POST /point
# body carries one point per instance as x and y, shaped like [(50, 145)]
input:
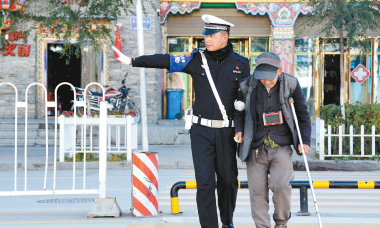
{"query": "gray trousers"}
[(277, 163)]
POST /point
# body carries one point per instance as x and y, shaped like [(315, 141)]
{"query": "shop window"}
[(178, 80), (304, 45), (258, 46), (378, 75), (178, 45), (304, 67), (360, 91), (332, 45), (235, 45)]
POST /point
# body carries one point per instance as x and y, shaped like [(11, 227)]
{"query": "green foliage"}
[(79, 157), (117, 157), (356, 115), (66, 21), (376, 157), (349, 19)]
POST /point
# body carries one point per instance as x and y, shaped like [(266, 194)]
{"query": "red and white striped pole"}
[(145, 184)]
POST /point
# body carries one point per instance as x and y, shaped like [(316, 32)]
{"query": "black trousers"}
[(214, 151)]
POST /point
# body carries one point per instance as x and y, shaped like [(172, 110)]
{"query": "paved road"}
[(338, 207)]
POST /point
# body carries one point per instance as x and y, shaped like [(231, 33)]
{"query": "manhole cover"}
[(75, 200)]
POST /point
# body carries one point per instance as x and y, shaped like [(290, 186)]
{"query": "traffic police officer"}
[(212, 143)]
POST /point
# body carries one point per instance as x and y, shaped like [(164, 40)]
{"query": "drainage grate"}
[(74, 200)]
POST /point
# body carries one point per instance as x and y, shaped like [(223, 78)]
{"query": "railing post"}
[(322, 140), (362, 140), (129, 138), (340, 140), (317, 132), (102, 149), (373, 140), (62, 138), (103, 206), (351, 140), (304, 202)]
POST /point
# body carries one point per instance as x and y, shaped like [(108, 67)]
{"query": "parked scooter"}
[(117, 99)]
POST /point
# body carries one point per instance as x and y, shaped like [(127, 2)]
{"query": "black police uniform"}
[(213, 149)]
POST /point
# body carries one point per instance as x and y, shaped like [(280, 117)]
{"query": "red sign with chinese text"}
[(9, 48), (23, 50), (16, 35)]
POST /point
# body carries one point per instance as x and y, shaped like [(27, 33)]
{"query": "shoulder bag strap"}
[(211, 81)]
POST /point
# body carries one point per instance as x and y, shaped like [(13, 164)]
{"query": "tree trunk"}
[(341, 90)]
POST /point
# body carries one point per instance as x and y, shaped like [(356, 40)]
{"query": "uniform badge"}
[(178, 63), (237, 71)]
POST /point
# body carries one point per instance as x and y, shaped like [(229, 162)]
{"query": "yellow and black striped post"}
[(295, 184)]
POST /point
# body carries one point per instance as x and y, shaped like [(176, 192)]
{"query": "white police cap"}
[(215, 24)]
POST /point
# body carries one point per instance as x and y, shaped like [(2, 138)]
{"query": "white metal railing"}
[(101, 122), (322, 133), (124, 129)]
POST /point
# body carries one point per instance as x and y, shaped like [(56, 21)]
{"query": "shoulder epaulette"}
[(241, 56)]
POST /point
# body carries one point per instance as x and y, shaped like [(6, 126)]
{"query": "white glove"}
[(122, 58), (239, 105)]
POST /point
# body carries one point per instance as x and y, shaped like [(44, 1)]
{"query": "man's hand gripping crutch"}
[(291, 102)]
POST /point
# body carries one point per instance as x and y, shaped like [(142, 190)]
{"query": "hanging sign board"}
[(172, 41), (360, 74), (147, 23)]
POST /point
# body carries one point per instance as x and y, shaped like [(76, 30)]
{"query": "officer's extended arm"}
[(147, 61)]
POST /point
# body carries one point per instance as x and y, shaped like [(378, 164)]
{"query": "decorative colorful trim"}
[(281, 14), (5, 23), (284, 48), (8, 5), (176, 7)]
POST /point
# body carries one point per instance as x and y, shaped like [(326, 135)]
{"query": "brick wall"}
[(152, 41), (21, 71)]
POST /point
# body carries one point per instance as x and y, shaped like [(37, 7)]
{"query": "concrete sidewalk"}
[(169, 157)]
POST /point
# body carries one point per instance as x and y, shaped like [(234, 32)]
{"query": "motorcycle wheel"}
[(132, 106), (121, 107)]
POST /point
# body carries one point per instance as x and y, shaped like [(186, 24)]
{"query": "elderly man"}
[(269, 131), (212, 135)]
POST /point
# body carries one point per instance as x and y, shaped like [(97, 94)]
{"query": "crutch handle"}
[(291, 101)]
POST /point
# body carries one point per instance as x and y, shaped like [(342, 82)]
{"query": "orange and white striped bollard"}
[(145, 184)]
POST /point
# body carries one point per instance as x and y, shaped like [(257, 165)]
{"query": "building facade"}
[(43, 64), (280, 27), (175, 27)]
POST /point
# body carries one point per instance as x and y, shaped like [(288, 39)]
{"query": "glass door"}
[(305, 70), (257, 45), (360, 80), (178, 46)]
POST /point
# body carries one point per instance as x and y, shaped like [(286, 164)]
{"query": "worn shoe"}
[(228, 226), (280, 226)]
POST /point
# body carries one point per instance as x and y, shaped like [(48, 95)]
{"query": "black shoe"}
[(281, 226), (228, 226)]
